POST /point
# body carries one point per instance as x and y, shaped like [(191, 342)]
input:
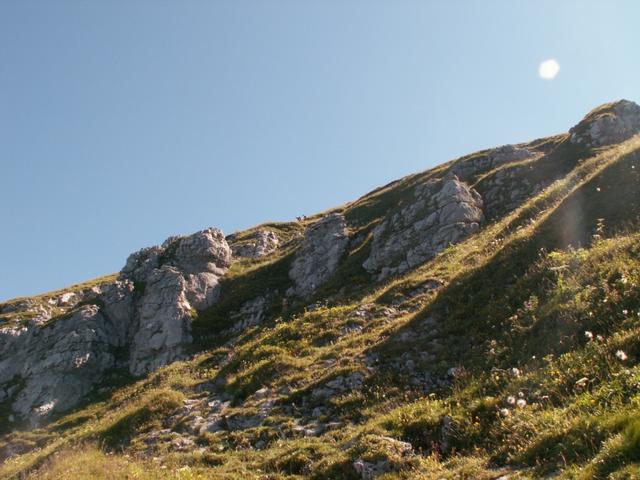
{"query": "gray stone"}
[(608, 124), (319, 254), (51, 368), (262, 243), (251, 313), (50, 364), (443, 213), (468, 167), (179, 277)]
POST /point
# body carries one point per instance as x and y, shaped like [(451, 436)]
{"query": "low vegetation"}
[(512, 353)]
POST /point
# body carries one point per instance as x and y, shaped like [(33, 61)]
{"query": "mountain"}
[(477, 320)]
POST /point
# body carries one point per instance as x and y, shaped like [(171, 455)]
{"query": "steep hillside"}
[(478, 320)]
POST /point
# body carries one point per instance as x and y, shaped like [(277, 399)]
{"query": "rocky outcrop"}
[(262, 243), (319, 254), (508, 188), (390, 455), (251, 313), (176, 278), (467, 168), (443, 212), (49, 368), (139, 322), (607, 124)]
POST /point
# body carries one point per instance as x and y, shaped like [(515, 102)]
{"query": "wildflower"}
[(625, 312), (511, 400), (515, 372), (600, 338), (588, 335), (521, 403), (623, 280), (520, 394), (620, 355), (504, 412)]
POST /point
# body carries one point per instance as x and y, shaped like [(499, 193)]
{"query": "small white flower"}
[(504, 412), (624, 280), (588, 335), (515, 372), (600, 338), (620, 355), (521, 403), (511, 400), (625, 311)]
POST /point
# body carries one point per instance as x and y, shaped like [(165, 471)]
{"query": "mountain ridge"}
[(391, 282)]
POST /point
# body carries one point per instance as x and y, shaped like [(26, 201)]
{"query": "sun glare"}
[(549, 69)]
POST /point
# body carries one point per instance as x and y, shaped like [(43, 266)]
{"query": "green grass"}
[(519, 294)]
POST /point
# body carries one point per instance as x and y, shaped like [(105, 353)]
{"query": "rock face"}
[(318, 255), (52, 367), (140, 322), (263, 243), (608, 124), (176, 278), (444, 212)]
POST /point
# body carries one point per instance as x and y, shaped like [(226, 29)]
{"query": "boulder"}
[(319, 254), (442, 213)]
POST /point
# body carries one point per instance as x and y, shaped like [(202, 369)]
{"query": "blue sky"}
[(124, 122)]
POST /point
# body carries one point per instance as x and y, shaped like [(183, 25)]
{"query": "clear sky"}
[(124, 122)]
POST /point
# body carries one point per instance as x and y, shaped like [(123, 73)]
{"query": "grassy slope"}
[(514, 296)]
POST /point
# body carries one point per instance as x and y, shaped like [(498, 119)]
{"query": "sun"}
[(549, 69)]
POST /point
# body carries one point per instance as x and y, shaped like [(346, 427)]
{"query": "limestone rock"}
[(251, 313), (467, 168), (49, 363), (264, 242), (52, 367), (509, 188), (443, 212), (164, 321), (319, 254), (607, 124), (179, 276), (397, 453)]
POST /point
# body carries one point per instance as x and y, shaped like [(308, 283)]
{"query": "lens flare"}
[(549, 69)]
